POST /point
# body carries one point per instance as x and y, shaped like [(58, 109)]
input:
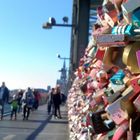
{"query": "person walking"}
[(4, 98), (27, 103), (56, 102), (19, 98), (14, 107), (36, 99), (50, 101)]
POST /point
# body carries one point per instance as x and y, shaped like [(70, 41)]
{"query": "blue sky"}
[(27, 51)]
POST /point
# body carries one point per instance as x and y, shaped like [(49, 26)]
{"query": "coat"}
[(5, 96), (56, 98)]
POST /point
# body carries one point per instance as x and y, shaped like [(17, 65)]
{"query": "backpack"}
[(29, 100)]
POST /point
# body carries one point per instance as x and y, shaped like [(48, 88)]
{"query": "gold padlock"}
[(129, 57), (112, 56)]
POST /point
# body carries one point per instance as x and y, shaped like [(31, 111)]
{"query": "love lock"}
[(129, 57)]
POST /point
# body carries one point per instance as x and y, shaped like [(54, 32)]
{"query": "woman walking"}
[(27, 102)]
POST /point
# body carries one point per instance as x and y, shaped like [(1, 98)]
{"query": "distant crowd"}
[(25, 101)]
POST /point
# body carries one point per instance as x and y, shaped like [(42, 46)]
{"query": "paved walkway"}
[(40, 126)]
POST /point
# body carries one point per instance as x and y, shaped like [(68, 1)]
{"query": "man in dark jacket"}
[(4, 97), (50, 100), (57, 102)]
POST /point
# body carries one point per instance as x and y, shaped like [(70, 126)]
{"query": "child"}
[(14, 107)]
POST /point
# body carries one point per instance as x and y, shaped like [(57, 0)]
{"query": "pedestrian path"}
[(40, 126)]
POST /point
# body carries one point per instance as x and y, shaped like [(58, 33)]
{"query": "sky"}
[(28, 53)]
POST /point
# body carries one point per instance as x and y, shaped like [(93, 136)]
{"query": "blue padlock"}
[(118, 77), (136, 17), (127, 29)]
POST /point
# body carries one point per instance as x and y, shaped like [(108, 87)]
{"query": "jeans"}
[(14, 111), (26, 111), (49, 107), (57, 110)]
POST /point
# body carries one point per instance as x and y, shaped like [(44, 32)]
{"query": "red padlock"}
[(121, 130)]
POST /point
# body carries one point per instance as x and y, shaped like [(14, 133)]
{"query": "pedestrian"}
[(63, 98), (14, 107), (57, 102), (50, 101), (27, 102), (36, 99), (4, 97), (19, 99)]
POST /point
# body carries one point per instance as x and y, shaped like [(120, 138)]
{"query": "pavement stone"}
[(40, 126)]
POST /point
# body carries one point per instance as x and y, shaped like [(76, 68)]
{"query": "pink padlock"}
[(121, 130), (135, 82), (138, 57), (101, 76)]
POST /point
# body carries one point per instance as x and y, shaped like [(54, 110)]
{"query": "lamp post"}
[(64, 58), (52, 23), (63, 81)]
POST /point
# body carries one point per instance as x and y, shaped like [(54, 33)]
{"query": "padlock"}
[(135, 82), (117, 87), (136, 103), (100, 53), (126, 80), (127, 106), (110, 134), (136, 17), (138, 57), (92, 103), (110, 13), (83, 87), (90, 88), (88, 119), (129, 57), (112, 70), (101, 76), (128, 92), (118, 77), (98, 123), (111, 40), (117, 4), (96, 65), (128, 7), (112, 57), (98, 96), (117, 114), (121, 130), (100, 16), (92, 52), (91, 48), (126, 29), (111, 96), (102, 30)]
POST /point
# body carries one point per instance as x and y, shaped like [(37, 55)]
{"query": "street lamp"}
[(63, 81), (64, 58), (52, 22)]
